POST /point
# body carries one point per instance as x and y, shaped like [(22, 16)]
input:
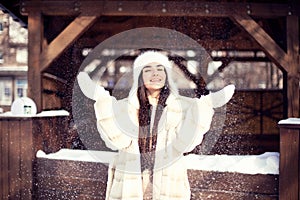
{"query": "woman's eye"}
[(160, 69)]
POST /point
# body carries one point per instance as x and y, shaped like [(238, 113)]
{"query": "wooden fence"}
[(20, 138)]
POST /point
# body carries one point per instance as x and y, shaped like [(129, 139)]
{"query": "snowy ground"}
[(267, 163)]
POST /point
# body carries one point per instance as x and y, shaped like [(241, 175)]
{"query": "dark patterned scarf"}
[(148, 138)]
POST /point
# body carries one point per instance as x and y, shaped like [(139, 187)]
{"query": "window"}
[(21, 87), (6, 91), (1, 58), (11, 89)]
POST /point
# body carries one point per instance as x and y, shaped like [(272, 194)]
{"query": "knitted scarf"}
[(147, 137)]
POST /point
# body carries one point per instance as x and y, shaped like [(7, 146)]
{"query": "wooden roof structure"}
[(58, 29)]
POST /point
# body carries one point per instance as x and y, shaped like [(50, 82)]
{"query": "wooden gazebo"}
[(70, 23), (59, 31)]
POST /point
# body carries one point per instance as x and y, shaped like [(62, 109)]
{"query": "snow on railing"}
[(267, 163), (290, 121)]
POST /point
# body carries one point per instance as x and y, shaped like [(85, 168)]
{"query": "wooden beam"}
[(293, 76), (288, 61), (68, 36), (35, 38), (158, 8), (276, 54)]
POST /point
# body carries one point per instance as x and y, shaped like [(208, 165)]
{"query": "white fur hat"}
[(149, 57), (144, 59)]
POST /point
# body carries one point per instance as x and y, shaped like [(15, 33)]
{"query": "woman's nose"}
[(155, 73)]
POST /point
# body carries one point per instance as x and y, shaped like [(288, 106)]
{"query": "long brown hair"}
[(148, 138)]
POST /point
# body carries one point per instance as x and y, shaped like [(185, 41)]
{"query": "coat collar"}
[(170, 117)]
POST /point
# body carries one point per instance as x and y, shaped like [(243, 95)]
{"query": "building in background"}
[(13, 60)]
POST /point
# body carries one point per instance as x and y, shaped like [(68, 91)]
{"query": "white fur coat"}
[(183, 123), (182, 126)]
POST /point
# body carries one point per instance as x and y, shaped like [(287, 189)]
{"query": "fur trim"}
[(140, 62), (149, 57)]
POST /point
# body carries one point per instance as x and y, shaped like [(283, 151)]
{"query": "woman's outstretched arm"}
[(104, 108), (198, 118)]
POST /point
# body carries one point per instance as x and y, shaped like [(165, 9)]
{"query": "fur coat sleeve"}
[(196, 122), (109, 128)]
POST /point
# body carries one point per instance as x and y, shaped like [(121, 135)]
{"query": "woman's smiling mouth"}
[(155, 80)]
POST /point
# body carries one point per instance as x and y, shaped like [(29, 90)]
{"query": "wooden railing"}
[(289, 169), (20, 178), (73, 179), (20, 139)]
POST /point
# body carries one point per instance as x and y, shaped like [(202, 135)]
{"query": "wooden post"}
[(35, 38), (293, 78), (289, 179), (41, 55)]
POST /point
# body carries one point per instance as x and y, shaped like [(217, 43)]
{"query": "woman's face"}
[(154, 77)]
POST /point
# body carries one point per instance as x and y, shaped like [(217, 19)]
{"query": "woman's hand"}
[(88, 87), (222, 96)]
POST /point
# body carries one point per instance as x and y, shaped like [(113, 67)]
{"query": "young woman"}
[(151, 129)]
